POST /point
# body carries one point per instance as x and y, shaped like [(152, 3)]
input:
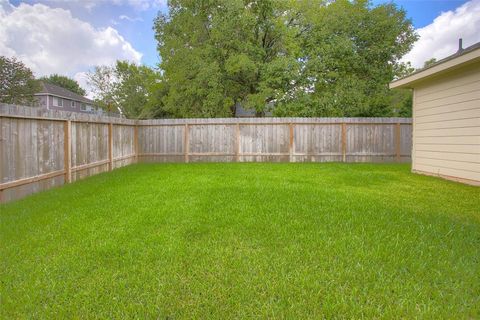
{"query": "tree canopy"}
[(17, 83), (305, 57), (429, 62), (125, 87), (65, 82)]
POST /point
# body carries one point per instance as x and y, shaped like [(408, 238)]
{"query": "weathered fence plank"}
[(67, 144)]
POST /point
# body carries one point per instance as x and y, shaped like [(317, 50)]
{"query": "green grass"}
[(221, 241)]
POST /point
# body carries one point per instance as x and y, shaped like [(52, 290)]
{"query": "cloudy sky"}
[(71, 36)]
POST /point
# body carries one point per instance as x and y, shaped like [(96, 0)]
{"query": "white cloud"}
[(139, 5), (440, 38), (69, 4), (125, 17), (52, 41), (143, 4)]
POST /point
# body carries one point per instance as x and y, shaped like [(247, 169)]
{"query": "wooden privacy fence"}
[(276, 139), (42, 149)]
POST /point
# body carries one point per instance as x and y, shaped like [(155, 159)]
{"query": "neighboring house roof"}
[(54, 90), (240, 112), (461, 58)]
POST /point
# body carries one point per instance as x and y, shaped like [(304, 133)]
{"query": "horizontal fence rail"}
[(43, 149)]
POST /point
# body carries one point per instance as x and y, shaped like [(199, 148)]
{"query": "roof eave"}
[(442, 67)]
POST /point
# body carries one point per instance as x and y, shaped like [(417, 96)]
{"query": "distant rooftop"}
[(48, 88)]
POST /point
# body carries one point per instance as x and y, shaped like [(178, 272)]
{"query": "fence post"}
[(290, 145), (110, 146), (344, 142), (135, 142), (186, 147), (67, 150), (397, 140), (237, 142)]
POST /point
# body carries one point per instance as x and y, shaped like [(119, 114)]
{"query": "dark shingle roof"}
[(48, 88), (241, 112)]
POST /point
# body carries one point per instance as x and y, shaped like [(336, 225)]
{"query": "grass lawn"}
[(221, 241)]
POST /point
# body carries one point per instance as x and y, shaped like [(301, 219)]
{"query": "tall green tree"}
[(350, 52), (126, 87), (17, 83), (64, 82), (133, 88), (219, 52), (103, 83), (401, 102), (305, 57)]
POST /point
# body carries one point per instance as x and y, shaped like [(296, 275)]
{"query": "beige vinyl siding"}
[(446, 119)]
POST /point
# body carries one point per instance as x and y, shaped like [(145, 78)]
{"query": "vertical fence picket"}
[(186, 143), (67, 150), (110, 147), (344, 142), (291, 141), (398, 140)]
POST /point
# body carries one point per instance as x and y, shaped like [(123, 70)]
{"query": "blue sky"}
[(72, 36), (422, 12)]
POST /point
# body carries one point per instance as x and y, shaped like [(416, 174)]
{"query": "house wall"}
[(41, 101), (66, 104), (446, 125)]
